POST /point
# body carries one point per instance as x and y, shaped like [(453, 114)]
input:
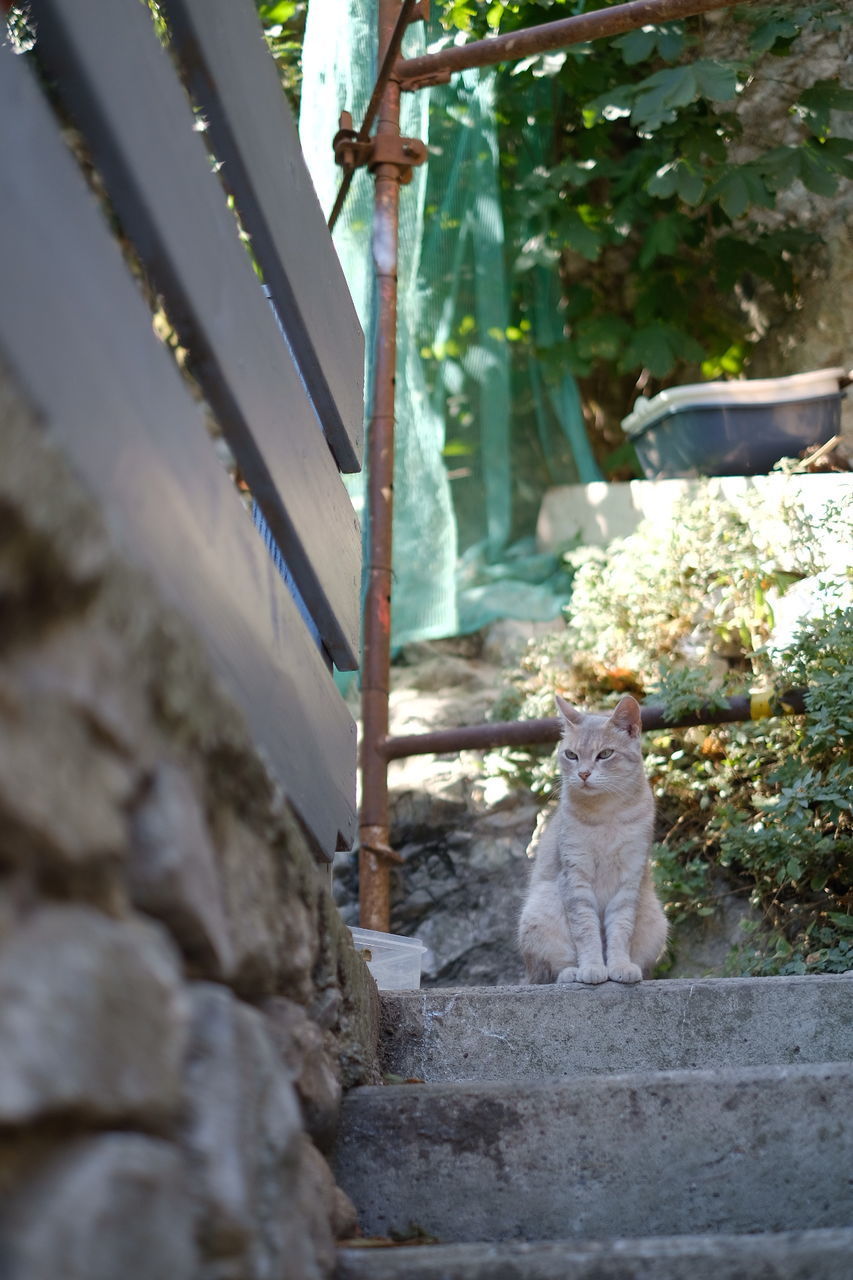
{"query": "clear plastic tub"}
[(394, 961), (734, 428)]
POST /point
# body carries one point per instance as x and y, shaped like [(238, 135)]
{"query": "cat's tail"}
[(539, 972)]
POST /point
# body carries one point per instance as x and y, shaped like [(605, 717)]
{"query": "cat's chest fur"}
[(604, 846)]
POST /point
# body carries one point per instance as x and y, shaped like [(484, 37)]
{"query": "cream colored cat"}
[(591, 912)]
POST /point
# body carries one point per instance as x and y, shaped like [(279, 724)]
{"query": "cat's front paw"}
[(569, 974), (625, 972), (592, 974)]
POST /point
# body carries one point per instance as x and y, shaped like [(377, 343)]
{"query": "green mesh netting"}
[(482, 424)]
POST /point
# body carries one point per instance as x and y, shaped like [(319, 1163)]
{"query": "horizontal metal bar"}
[(517, 733), (549, 36)]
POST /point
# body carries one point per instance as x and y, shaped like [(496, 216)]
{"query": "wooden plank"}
[(77, 337), (233, 78), (121, 89)]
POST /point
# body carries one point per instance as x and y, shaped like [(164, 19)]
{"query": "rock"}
[(460, 891), (107, 1207), (92, 1019), (243, 1140), (327, 1211), (310, 1064), (506, 640), (62, 795), (172, 871), (53, 550), (255, 908)]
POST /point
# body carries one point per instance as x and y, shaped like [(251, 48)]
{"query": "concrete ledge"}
[(539, 1033), (596, 513), (736, 1150), (806, 1255)]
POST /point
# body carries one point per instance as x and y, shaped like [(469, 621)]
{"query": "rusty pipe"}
[(433, 67), (516, 733), (404, 17), (374, 851)]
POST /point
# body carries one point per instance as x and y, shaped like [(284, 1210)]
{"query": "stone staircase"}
[(676, 1130)]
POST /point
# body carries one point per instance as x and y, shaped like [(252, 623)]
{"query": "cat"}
[(591, 912)]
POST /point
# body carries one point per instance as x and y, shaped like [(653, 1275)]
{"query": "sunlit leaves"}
[(815, 104), (677, 178), (656, 100), (666, 40)]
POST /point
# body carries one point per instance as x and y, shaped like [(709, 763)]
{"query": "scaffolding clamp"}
[(353, 152)]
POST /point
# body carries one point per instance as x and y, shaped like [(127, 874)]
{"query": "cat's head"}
[(600, 754)]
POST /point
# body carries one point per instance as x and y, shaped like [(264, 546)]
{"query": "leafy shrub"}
[(683, 612)]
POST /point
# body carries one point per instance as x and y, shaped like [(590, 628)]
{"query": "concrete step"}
[(807, 1255), (733, 1150), (540, 1033)]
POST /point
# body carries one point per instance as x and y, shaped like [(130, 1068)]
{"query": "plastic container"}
[(394, 961), (734, 428)]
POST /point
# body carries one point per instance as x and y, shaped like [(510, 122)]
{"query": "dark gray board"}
[(121, 90), (233, 78), (77, 337)]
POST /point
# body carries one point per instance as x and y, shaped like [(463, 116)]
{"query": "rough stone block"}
[(243, 1140), (270, 932), (172, 871), (111, 1207), (62, 795), (311, 1065), (92, 1019)]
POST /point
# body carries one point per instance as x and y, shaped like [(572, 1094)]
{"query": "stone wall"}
[(180, 1003)]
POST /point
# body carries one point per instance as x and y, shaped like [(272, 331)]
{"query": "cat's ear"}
[(627, 716), (569, 713)]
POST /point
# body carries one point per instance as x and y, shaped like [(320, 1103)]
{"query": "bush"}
[(684, 612)]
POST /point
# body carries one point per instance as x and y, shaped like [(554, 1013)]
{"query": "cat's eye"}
[(605, 754), (570, 755)]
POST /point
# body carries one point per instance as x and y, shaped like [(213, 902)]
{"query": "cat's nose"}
[(583, 774)]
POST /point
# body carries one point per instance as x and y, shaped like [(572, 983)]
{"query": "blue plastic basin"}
[(734, 439)]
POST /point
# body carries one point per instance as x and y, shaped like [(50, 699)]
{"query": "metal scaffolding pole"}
[(516, 733), (375, 853), (436, 68)]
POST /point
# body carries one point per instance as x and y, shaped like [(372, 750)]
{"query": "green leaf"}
[(662, 238), (816, 173), (690, 185), (775, 28), (280, 12), (781, 166), (659, 96), (652, 349), (636, 45), (816, 103), (717, 81), (578, 235), (740, 188), (601, 337), (664, 181), (670, 42)]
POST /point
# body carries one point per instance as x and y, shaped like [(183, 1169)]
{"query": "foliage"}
[(673, 614), (284, 24), (631, 154)]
